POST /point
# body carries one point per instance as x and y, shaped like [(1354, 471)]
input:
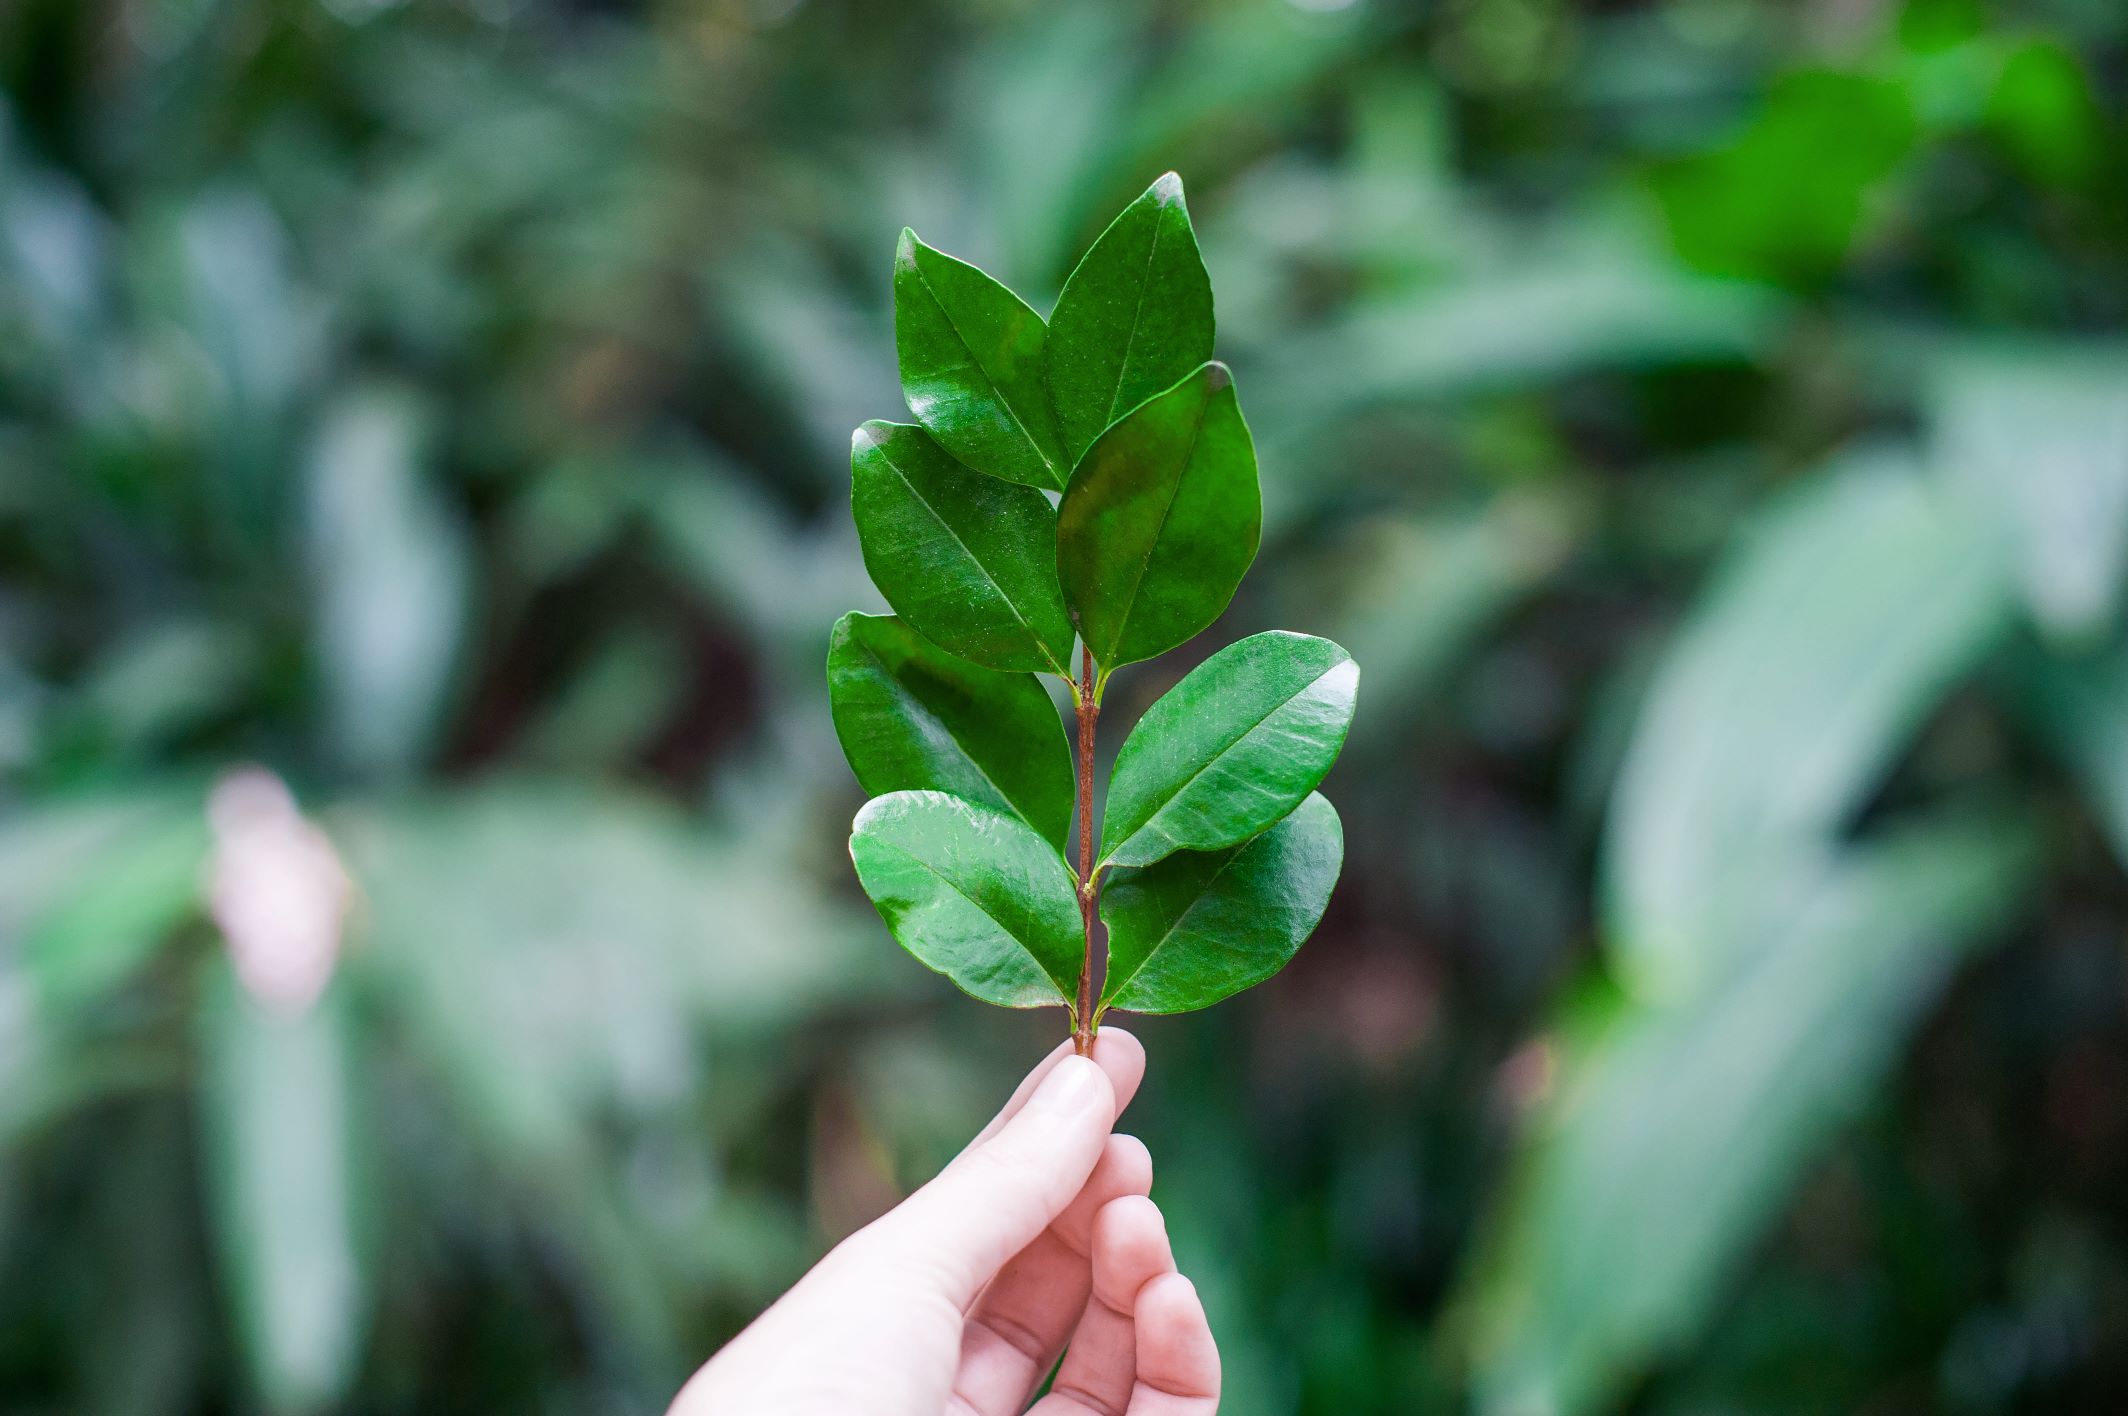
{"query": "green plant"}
[(1219, 853)]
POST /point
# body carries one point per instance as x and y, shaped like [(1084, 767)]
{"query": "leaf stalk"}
[(1086, 707)]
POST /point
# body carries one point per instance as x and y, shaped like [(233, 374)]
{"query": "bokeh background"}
[(430, 974)]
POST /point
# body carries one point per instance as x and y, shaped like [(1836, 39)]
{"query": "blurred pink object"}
[(277, 891)]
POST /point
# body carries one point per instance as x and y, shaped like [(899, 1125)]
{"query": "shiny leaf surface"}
[(912, 717), (1231, 749), (1135, 316), (972, 366), (965, 559), (1160, 521), (973, 893), (1203, 925)]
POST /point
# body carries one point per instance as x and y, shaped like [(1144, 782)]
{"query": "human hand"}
[(958, 1301)]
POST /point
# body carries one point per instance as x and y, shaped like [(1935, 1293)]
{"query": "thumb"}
[(1003, 1191)]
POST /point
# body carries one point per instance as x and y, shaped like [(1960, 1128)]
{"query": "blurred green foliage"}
[(1706, 419)]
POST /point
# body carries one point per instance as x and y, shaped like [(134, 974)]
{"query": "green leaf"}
[(972, 368), (1231, 749), (1831, 633), (1135, 316), (1160, 521), (1676, 1132), (967, 560), (911, 716), (973, 893), (1203, 925), (278, 1107), (2036, 437)]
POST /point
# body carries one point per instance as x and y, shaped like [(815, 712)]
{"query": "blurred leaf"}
[(92, 888), (1134, 318), (278, 1109), (2037, 437), (566, 961), (390, 568), (1201, 926), (1789, 196), (965, 559), (2082, 706), (1409, 595), (1241, 741), (1160, 521), (1831, 631), (971, 367), (912, 718), (974, 894), (1547, 314), (1678, 1129)]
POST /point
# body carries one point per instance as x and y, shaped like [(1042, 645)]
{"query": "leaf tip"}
[(905, 248), (1167, 189), (1217, 376)]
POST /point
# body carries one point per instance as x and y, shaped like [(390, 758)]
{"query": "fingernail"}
[(1072, 1086)]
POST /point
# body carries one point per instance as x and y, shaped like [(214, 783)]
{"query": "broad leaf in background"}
[(974, 894), (389, 565), (1677, 1130), (90, 889), (971, 367), (2037, 437), (278, 1109), (563, 962), (2081, 705), (1231, 749), (911, 717), (1160, 521), (966, 560), (1202, 925), (1837, 625), (1135, 317)]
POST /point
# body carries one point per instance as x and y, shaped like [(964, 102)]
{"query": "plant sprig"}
[(1086, 484)]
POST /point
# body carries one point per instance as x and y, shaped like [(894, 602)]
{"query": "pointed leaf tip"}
[(1167, 188), (1217, 376)]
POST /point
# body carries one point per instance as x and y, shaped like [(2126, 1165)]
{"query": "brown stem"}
[(1089, 710)]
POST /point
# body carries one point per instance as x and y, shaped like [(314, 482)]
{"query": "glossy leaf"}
[(1231, 749), (972, 366), (911, 717), (1203, 925), (966, 560), (1135, 316), (973, 893), (1160, 521)]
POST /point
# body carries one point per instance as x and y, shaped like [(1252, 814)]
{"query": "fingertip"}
[(1176, 1352), (1130, 1247), (1127, 1159), (1122, 1056)]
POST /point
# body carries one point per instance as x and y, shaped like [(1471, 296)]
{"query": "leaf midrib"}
[(1130, 341), (951, 884), (1206, 765), (1110, 989), (903, 691), (975, 362), (1174, 494), (977, 561)]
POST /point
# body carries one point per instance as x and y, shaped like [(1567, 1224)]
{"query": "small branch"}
[(1088, 708)]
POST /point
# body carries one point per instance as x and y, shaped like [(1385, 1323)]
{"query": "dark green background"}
[(1702, 421)]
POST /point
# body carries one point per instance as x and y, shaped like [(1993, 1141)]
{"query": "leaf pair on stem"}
[(1086, 481)]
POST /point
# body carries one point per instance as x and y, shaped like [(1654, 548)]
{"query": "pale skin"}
[(1038, 1240)]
